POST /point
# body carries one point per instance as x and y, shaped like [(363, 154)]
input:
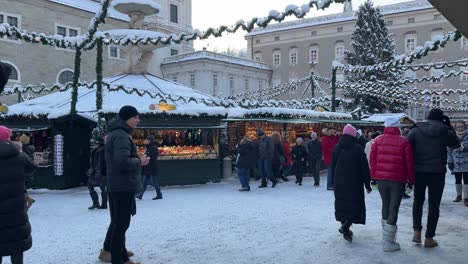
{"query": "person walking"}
[(15, 229), (299, 157), (329, 140), (430, 141), (287, 164), (361, 139), (458, 163), (29, 150), (392, 166), (350, 171), (314, 150), (265, 156), (150, 171), (278, 155), (97, 175), (245, 162), (123, 169)]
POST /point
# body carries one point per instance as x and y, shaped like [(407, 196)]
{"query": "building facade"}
[(37, 64), (295, 49), (217, 74)]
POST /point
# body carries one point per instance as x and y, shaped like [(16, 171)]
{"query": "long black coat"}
[(299, 157), (247, 155), (153, 153), (15, 230), (350, 171), (97, 170), (278, 152)]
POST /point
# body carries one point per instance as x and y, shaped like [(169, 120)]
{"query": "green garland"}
[(76, 78), (99, 75)]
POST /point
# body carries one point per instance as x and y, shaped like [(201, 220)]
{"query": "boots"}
[(417, 236), (459, 188), (105, 256), (95, 199), (465, 193), (344, 229), (104, 201), (274, 183), (263, 185), (158, 197), (389, 237), (131, 262), (430, 243), (285, 179)]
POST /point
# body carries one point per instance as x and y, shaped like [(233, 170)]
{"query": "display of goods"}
[(183, 152)]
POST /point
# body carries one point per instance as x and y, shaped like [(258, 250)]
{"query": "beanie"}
[(349, 130), (392, 121), (151, 139), (260, 133), (436, 114), (24, 139), (313, 136), (5, 133), (128, 112)]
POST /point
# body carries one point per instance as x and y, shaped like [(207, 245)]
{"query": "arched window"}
[(65, 76), (15, 74)]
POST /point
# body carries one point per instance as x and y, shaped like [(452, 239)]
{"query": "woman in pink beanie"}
[(5, 133), (350, 171)]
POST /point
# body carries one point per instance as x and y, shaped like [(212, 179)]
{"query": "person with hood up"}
[(329, 140), (266, 150), (150, 171), (392, 166), (246, 161), (97, 175), (15, 229), (299, 156), (350, 171), (458, 163), (314, 150), (430, 141), (123, 169)]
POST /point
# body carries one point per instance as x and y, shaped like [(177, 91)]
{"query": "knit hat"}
[(151, 138), (392, 121), (5, 133), (349, 130), (436, 114), (128, 112), (260, 133), (313, 136), (299, 140), (25, 139), (5, 71)]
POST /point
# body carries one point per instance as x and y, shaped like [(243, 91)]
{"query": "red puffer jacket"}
[(287, 153), (328, 144), (391, 157)]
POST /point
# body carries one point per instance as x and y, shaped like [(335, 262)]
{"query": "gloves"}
[(451, 166)]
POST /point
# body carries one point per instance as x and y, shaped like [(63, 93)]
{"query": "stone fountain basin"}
[(147, 7)]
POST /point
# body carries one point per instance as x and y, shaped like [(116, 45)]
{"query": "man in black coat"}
[(123, 170), (150, 171), (97, 175), (314, 150), (430, 141), (15, 230)]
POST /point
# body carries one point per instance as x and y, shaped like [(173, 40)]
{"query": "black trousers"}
[(94, 195), (15, 259), (459, 176), (315, 169), (391, 193), (435, 183), (299, 171), (120, 207)]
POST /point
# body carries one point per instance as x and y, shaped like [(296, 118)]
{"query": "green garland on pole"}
[(333, 89), (99, 75), (76, 77)]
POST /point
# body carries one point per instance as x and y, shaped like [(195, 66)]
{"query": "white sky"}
[(213, 13)]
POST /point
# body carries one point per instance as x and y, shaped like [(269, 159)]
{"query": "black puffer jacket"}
[(97, 170), (15, 230), (430, 141), (247, 155), (153, 153), (314, 149), (122, 161)]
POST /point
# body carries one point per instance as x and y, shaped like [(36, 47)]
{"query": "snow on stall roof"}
[(276, 111), (215, 56), (341, 17), (92, 6), (380, 118)]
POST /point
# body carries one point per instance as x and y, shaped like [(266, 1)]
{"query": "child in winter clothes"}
[(299, 155), (458, 163)]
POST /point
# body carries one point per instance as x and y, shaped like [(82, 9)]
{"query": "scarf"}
[(460, 135)]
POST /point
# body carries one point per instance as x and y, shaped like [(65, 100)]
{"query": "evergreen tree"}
[(372, 44)]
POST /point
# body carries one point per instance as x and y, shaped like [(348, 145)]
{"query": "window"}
[(174, 52), (436, 100), (215, 81), (389, 23), (340, 29), (411, 20), (231, 85), (66, 31), (192, 80), (65, 76), (260, 84), (174, 13), (114, 52), (313, 55), (437, 17), (14, 75), (258, 57), (464, 42), (437, 73), (464, 76), (410, 43), (276, 58), (293, 57), (339, 50), (257, 41), (464, 101), (313, 33), (246, 85), (13, 20), (277, 38)]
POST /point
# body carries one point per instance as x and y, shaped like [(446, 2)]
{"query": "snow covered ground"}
[(215, 223)]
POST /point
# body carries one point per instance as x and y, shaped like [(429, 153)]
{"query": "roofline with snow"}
[(120, 16)]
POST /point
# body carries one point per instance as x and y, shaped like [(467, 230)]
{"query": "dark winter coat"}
[(350, 171), (314, 149), (265, 148), (153, 153), (97, 166), (29, 150), (430, 141), (278, 153), (459, 157), (361, 140), (247, 158), (15, 230), (299, 157), (328, 144), (123, 163)]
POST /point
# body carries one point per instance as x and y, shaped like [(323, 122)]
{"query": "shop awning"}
[(29, 129)]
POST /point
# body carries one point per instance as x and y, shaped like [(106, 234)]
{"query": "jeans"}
[(154, 181), (15, 259), (266, 170), (391, 193), (330, 180), (315, 169), (243, 174), (285, 170), (120, 207), (435, 183)]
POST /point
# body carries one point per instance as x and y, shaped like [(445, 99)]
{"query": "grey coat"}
[(265, 148), (459, 157)]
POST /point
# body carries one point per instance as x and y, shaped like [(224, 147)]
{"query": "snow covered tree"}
[(372, 44)]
